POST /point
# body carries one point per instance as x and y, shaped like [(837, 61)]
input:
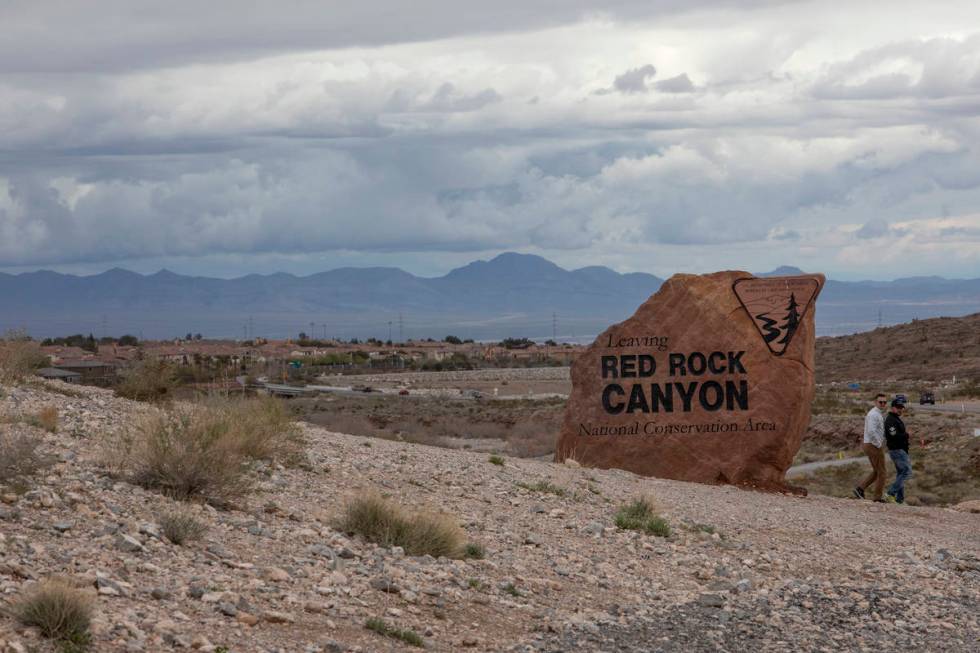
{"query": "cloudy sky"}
[(653, 135)]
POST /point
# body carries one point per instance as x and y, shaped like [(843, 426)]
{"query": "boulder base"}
[(709, 381)]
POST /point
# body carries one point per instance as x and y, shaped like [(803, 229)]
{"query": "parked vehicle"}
[(927, 398)]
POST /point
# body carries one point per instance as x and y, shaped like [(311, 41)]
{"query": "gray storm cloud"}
[(445, 136), (635, 80)]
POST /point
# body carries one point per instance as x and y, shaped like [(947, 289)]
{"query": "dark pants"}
[(903, 471)]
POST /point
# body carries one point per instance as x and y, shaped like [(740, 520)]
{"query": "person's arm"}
[(879, 432)]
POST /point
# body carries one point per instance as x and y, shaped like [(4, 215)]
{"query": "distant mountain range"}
[(517, 295)]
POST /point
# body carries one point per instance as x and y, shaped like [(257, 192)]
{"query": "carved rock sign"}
[(709, 381)]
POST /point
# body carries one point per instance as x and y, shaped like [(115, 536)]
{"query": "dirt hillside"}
[(739, 571), (931, 350)]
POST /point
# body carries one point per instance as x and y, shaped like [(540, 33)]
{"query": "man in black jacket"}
[(897, 439)]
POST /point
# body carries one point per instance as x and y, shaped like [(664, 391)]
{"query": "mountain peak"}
[(118, 273), (783, 271), (507, 265)]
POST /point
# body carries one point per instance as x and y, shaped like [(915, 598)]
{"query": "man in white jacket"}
[(874, 441)]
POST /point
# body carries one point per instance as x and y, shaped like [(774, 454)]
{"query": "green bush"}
[(641, 516), (382, 628)]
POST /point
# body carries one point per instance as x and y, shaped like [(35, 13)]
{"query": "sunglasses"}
[(882, 401)]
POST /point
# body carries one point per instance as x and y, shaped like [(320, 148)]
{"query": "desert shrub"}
[(262, 427), (475, 551), (19, 357), (180, 526), (59, 610), (496, 460), (206, 450), (188, 454), (47, 419), (19, 458), (381, 627), (969, 388), (640, 515), (152, 379), (545, 487), (383, 522), (531, 439)]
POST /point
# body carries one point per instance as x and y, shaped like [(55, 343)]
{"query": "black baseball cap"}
[(898, 402)]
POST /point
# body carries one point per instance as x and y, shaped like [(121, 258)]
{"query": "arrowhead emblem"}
[(777, 305)]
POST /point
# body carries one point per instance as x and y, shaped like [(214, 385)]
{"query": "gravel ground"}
[(741, 571)]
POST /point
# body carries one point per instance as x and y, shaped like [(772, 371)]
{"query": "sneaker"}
[(890, 498), (859, 492), (880, 501)]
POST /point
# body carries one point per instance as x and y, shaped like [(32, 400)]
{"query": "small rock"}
[(275, 617), (385, 584), (593, 528), (275, 574), (711, 600), (128, 543), (247, 619)]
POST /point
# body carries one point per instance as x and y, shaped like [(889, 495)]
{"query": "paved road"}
[(801, 470), (952, 407)]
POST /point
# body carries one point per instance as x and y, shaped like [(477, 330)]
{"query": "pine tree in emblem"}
[(792, 320)]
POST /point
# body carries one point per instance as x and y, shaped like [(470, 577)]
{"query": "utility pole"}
[(324, 325), (251, 327), (312, 331), (879, 318), (401, 324), (554, 326), (389, 330)]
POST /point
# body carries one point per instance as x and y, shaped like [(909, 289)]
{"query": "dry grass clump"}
[(19, 458), (531, 439), (180, 526), (206, 451), (383, 522), (19, 357), (47, 419), (59, 610), (263, 428), (152, 379), (641, 515), (545, 487)]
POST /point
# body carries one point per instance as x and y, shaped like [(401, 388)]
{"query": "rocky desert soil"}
[(741, 571)]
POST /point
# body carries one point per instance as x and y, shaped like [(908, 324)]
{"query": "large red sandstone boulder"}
[(709, 381)]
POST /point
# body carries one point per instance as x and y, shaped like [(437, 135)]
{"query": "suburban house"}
[(59, 375), (93, 372)]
